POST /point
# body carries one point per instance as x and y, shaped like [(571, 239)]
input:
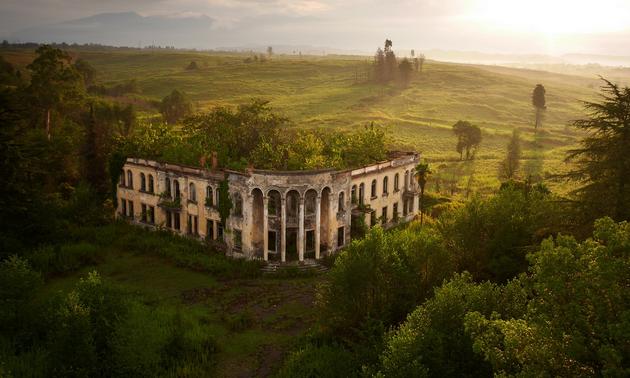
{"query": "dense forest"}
[(522, 282)]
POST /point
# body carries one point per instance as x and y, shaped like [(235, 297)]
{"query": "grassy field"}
[(255, 322), (332, 92)]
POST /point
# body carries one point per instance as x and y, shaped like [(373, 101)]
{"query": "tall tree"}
[(511, 163), (468, 138), (379, 66), (86, 70), (539, 102), (423, 171), (175, 106), (405, 70), (390, 60), (421, 60), (603, 161), (55, 83), (269, 51)]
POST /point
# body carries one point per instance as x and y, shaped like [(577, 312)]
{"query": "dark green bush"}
[(320, 361)]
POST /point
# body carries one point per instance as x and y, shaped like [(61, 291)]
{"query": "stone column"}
[(283, 229), (317, 225), (265, 227), (332, 223), (300, 237)]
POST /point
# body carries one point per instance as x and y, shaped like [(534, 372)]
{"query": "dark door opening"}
[(291, 248)]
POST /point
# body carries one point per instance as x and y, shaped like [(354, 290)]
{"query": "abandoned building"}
[(275, 215)]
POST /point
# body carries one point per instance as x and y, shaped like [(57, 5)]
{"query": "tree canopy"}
[(468, 138)]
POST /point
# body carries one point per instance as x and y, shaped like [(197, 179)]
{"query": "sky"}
[(496, 26)]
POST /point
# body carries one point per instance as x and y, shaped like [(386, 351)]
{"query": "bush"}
[(18, 285), (65, 258), (320, 361)]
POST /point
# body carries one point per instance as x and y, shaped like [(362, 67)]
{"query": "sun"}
[(553, 17)]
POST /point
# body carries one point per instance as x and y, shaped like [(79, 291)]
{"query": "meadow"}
[(325, 92)]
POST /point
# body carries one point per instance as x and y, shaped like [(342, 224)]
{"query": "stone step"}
[(275, 267)]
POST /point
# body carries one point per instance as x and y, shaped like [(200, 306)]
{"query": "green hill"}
[(333, 92)]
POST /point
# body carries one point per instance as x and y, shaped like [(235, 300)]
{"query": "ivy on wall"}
[(225, 202)]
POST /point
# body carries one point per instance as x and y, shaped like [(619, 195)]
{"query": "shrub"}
[(320, 361), (65, 258)]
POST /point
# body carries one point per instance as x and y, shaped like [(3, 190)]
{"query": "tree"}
[(87, 71), (577, 318), (405, 70), (390, 60), (421, 60), (602, 160), (192, 66), (423, 171), (509, 166), (413, 53), (379, 66), (468, 138), (175, 106), (539, 102), (269, 51), (55, 83)]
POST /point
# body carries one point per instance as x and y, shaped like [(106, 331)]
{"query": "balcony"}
[(167, 202)]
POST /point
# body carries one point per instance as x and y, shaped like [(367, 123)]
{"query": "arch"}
[(237, 200), (373, 189), (192, 192), (292, 203), (122, 178), (129, 179), (176, 188), (385, 184), (310, 202), (274, 203), (217, 197), (167, 186), (151, 184), (143, 182), (209, 196), (341, 204), (353, 194), (361, 194), (258, 239), (396, 183)]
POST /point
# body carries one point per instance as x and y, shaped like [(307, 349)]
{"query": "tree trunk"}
[(48, 123)]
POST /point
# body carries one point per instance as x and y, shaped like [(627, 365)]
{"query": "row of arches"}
[(147, 184)]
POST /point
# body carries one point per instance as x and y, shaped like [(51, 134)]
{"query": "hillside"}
[(332, 92)]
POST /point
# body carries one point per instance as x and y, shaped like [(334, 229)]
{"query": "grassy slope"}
[(255, 321), (323, 92)]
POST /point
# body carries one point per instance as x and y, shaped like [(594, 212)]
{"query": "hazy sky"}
[(514, 26)]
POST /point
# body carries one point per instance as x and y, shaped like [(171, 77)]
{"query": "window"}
[(373, 218), (353, 194), (151, 188), (238, 239), (406, 180), (341, 237), (238, 205), (176, 220), (342, 200), (192, 192), (176, 187), (123, 207), (411, 205), (405, 207), (151, 214), (167, 186), (385, 184), (217, 198), (396, 185), (129, 179), (361, 193), (209, 229), (384, 215), (373, 191), (131, 212), (395, 211), (310, 241), (274, 203), (220, 231), (143, 183), (209, 201), (143, 215), (122, 178), (169, 219), (272, 241), (310, 202)]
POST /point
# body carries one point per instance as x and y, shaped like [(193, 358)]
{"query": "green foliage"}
[(376, 281), (175, 106), (433, 340), (509, 166), (65, 258), (468, 138), (603, 162), (358, 227), (577, 321), (492, 236), (225, 201), (319, 361), (18, 285)]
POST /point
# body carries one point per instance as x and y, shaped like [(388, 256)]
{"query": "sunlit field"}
[(334, 92)]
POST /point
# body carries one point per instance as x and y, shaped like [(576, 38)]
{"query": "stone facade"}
[(295, 214)]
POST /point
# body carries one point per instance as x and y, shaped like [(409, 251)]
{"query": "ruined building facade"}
[(275, 215)]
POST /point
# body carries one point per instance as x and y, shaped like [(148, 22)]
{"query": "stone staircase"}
[(307, 266)]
